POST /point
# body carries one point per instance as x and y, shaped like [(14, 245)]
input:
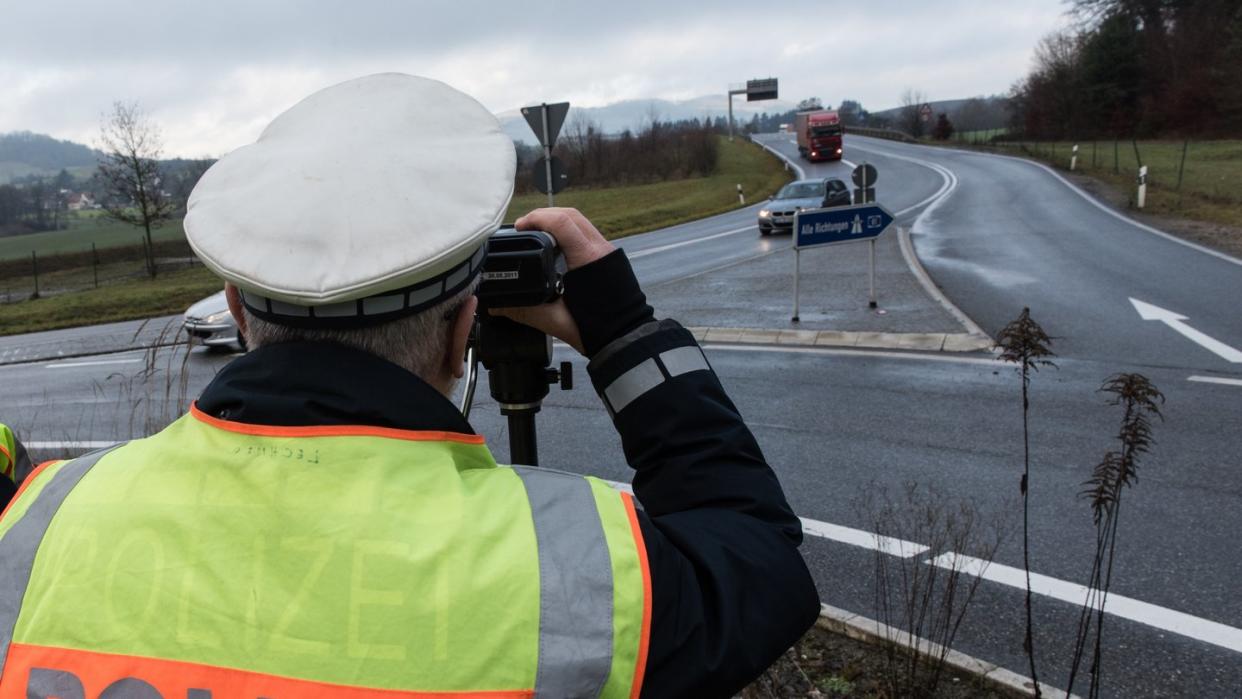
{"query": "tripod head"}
[(522, 268)]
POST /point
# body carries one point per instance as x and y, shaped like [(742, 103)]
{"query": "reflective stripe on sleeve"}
[(646, 376), (21, 542), (683, 360), (575, 586)]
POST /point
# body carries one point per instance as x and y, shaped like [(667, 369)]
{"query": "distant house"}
[(80, 200)]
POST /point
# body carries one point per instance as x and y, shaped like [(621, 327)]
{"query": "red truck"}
[(819, 134)]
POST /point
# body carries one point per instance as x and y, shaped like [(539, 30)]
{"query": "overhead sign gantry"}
[(755, 90)]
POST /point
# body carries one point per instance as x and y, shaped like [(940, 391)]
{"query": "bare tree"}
[(130, 171), (912, 102)]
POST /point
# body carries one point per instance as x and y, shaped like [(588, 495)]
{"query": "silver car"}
[(778, 215), (209, 322)]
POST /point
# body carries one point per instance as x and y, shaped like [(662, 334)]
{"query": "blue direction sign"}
[(843, 224)]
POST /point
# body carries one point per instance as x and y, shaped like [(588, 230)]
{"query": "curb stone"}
[(931, 342), (870, 631)]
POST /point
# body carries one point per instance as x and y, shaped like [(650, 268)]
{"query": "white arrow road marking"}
[(1147, 311)]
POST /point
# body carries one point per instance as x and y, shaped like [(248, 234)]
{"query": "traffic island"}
[(752, 302), (847, 655)]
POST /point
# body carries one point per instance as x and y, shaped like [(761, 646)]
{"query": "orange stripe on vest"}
[(644, 639), (334, 430), (29, 666)]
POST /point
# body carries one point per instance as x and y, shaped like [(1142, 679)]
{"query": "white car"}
[(210, 322)]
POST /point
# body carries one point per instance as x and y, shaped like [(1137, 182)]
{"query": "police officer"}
[(14, 464), (324, 522)]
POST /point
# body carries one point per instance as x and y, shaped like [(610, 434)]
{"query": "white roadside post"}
[(741, 198), (1074, 159), (1142, 186)]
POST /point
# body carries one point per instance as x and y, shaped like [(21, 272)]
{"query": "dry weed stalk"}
[(1140, 401), (1024, 343)]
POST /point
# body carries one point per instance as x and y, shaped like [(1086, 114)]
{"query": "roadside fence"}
[(1181, 176), (890, 134), (42, 275)]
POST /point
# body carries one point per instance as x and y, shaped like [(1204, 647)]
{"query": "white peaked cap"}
[(363, 202)]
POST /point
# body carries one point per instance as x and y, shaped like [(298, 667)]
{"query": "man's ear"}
[(460, 336), (235, 306)]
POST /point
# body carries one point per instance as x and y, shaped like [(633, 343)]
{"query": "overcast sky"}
[(212, 73)]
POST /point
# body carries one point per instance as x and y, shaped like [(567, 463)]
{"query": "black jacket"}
[(730, 592)]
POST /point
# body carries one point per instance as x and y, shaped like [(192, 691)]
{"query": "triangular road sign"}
[(556, 119)]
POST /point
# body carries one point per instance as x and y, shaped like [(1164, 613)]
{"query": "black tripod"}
[(518, 359)]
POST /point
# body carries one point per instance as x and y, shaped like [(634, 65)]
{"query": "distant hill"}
[(634, 114), (980, 113), (24, 153)]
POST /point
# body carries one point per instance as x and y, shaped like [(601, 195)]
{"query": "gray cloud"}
[(212, 74)]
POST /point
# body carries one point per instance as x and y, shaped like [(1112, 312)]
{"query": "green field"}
[(617, 211), (85, 227), (978, 136), (621, 211), (171, 292), (1211, 182)]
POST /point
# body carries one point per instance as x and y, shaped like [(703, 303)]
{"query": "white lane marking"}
[(1171, 620), (1125, 607), (1216, 379), (1147, 311), (66, 365), (836, 532), (842, 352), (670, 246), (848, 163), (948, 179), (69, 445), (865, 539)]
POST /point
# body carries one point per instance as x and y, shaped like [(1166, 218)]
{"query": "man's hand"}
[(582, 244), (577, 237)]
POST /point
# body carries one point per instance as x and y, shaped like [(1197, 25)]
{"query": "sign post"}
[(845, 224), (755, 91), (546, 121), (864, 177)]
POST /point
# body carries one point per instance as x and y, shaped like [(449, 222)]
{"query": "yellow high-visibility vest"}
[(221, 559)]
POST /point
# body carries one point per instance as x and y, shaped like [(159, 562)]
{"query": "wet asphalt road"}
[(839, 425)]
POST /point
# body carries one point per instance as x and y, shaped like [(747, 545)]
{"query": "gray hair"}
[(416, 343)]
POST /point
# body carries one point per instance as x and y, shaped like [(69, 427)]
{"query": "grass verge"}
[(1210, 184), (827, 664), (170, 292), (84, 228), (622, 211)]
